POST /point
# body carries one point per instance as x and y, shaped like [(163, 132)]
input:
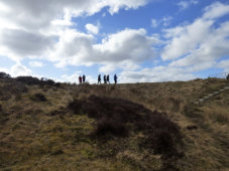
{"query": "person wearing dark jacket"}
[(84, 78), (80, 80), (105, 79), (99, 79), (115, 79), (108, 79)]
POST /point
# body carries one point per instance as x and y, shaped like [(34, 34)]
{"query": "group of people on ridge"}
[(82, 79), (106, 79)]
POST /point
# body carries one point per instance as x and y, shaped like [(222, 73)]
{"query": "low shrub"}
[(28, 80), (106, 126), (192, 127), (38, 97), (35, 81), (119, 118), (4, 75)]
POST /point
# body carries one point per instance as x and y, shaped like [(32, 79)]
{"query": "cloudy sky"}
[(140, 40)]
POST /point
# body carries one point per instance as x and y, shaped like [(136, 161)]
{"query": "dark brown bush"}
[(28, 80), (106, 126), (75, 106), (119, 117), (38, 97), (192, 127), (4, 75), (35, 81)]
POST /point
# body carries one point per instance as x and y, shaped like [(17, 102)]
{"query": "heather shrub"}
[(117, 117), (38, 97), (107, 127), (35, 81), (4, 75)]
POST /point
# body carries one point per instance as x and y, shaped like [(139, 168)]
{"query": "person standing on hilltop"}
[(115, 79), (105, 79), (80, 80), (84, 78), (108, 79), (99, 79)]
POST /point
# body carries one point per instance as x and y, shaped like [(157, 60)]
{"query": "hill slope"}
[(148, 126)]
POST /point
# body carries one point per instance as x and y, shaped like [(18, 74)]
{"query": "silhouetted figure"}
[(108, 79), (105, 79), (99, 79), (115, 79), (80, 80), (227, 77), (84, 78)]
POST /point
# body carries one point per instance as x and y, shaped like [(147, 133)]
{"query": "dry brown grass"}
[(45, 136)]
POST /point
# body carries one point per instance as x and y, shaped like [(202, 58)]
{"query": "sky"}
[(139, 40)]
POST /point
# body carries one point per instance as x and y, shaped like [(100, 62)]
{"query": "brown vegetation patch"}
[(39, 97), (3, 116), (121, 118), (191, 127), (10, 87)]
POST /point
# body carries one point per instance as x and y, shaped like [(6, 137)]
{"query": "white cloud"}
[(128, 44), (166, 21), (186, 4), (216, 10), (120, 50), (36, 64), (38, 25), (224, 65), (65, 21), (19, 70), (23, 43), (73, 48), (107, 68), (198, 45), (125, 65), (104, 14), (154, 23), (157, 74), (125, 49), (6, 70), (126, 4), (35, 14), (92, 28), (213, 47), (71, 78), (186, 39)]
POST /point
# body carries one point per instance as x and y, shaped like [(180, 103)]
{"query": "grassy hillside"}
[(148, 126)]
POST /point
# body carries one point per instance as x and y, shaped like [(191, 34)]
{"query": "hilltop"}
[(144, 126)]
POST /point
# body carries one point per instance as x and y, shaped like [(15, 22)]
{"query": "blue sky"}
[(140, 40)]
